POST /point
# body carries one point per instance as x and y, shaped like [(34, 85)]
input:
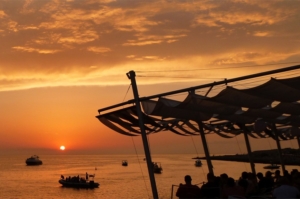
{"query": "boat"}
[(271, 166), (77, 182), (157, 167), (124, 163), (198, 163), (34, 160)]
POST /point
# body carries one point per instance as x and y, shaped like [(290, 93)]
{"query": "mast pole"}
[(249, 152), (274, 128), (205, 147), (131, 76)]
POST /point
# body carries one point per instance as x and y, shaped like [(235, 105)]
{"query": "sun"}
[(62, 148)]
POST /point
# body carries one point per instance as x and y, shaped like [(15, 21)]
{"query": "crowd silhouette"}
[(267, 185)]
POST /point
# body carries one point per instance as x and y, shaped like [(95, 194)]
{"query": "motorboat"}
[(124, 163), (198, 163), (77, 182), (272, 166), (34, 160), (157, 167)]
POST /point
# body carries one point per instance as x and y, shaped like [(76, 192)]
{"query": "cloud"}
[(64, 39), (261, 34), (98, 49), (2, 14), (29, 49)]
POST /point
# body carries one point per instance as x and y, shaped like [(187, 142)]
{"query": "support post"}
[(298, 139), (131, 76), (249, 153), (205, 147), (278, 147)]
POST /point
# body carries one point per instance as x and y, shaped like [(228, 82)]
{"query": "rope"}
[(126, 92), (140, 166), (203, 172), (241, 152)]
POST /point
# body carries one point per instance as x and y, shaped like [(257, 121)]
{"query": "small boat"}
[(272, 166), (34, 160), (198, 163), (157, 167), (77, 182), (124, 163)]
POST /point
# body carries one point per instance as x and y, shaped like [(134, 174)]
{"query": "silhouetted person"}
[(188, 190), (285, 190), (252, 186), (264, 184), (233, 190), (211, 189), (270, 180), (223, 180), (243, 181), (277, 176)]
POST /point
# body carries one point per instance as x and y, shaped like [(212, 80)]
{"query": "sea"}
[(19, 181)]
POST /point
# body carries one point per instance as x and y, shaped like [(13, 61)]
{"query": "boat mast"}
[(131, 76)]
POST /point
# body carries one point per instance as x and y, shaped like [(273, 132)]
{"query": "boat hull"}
[(33, 160), (90, 184), (34, 163)]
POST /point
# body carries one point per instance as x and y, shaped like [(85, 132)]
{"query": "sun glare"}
[(62, 148)]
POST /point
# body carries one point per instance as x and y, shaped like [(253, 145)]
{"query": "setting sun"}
[(62, 148)]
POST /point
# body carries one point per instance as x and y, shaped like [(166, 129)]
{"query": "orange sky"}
[(61, 61)]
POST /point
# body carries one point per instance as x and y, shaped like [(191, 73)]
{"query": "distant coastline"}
[(289, 156)]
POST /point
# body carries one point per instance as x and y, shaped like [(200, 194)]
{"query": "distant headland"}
[(289, 156)]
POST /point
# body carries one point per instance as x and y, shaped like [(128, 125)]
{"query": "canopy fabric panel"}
[(255, 111)]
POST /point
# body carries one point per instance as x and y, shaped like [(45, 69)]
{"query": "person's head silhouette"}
[(188, 179)]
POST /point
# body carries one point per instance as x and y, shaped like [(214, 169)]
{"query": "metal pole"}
[(279, 148), (205, 147), (131, 76), (249, 153)]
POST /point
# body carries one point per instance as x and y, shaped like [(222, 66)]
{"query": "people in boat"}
[(188, 190)]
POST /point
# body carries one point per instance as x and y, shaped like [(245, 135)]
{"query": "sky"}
[(62, 60)]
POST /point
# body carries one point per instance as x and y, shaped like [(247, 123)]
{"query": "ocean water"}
[(19, 181)]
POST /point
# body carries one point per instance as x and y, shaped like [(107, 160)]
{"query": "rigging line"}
[(194, 146), (126, 92), (219, 68), (181, 77), (240, 151), (140, 166), (203, 172)]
